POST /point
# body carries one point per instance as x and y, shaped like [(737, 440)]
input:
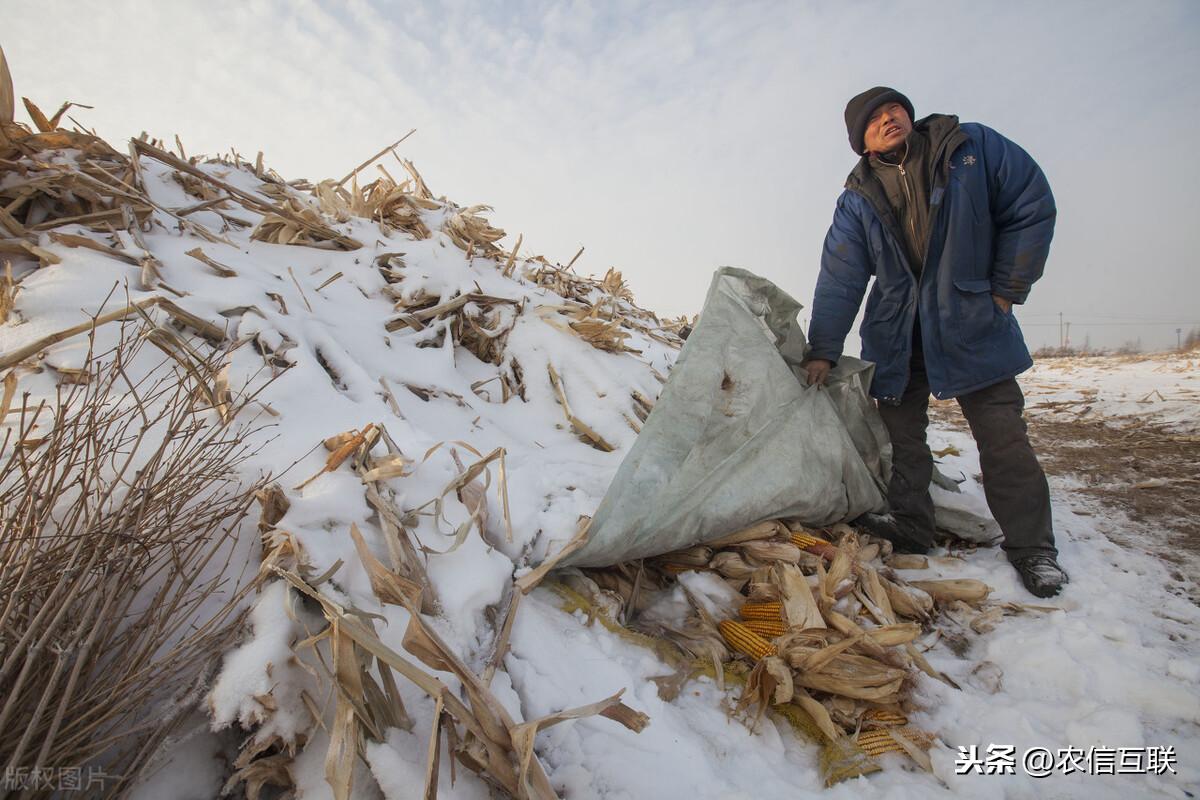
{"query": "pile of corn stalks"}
[(600, 311), (479, 732), (52, 177), (824, 633)]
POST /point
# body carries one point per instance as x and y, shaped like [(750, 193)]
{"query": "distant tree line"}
[(1189, 343)]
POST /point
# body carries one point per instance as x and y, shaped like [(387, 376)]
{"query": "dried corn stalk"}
[(491, 743), (581, 427), (8, 292)]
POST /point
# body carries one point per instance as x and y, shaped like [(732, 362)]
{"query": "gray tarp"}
[(737, 437)]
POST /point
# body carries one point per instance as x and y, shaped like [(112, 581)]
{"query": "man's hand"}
[(1005, 305), (818, 371)]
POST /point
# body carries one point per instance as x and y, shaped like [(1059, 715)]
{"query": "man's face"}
[(887, 128)]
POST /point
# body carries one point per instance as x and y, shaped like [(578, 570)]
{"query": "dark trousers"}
[(1013, 481)]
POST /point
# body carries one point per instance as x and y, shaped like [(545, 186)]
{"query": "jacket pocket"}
[(884, 311), (976, 314), (973, 285)]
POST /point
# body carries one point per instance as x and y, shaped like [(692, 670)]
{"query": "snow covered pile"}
[(406, 339)]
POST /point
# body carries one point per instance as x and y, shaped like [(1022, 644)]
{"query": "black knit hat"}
[(862, 106)]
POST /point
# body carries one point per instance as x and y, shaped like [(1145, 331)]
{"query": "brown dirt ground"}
[(1146, 471)]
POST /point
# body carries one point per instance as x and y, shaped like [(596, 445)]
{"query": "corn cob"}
[(698, 556), (772, 551), (767, 611), (746, 641), (876, 743), (814, 545), (883, 718), (968, 590), (803, 540), (732, 565), (907, 561), (767, 628), (676, 569), (881, 741)]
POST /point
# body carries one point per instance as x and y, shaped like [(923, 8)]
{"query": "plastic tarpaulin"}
[(737, 437)]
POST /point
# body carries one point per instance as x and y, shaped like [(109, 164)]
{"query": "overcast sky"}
[(670, 139)]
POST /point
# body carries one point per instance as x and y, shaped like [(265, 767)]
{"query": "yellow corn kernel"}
[(803, 540), (884, 717), (877, 745), (767, 628), (768, 611), (881, 741), (746, 641)]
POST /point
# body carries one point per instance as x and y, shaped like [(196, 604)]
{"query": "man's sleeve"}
[(1023, 211), (845, 272)]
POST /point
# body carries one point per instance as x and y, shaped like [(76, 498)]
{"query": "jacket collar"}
[(940, 129), (944, 135)]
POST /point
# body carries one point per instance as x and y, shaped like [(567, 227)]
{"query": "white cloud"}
[(669, 138)]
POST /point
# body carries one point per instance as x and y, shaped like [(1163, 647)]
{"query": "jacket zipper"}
[(944, 152), (908, 196), (912, 224), (941, 178), (911, 275)]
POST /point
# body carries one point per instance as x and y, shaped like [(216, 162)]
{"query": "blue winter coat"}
[(991, 221)]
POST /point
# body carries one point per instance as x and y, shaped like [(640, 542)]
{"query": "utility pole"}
[(1060, 331), (1068, 339), (1178, 341)]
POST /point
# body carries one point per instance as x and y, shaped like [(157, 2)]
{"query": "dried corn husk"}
[(908, 601), (872, 586), (762, 530), (733, 565), (693, 556), (760, 591), (967, 590), (767, 551), (799, 606), (907, 561), (607, 335)]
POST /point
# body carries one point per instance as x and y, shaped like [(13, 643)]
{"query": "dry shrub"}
[(120, 502)]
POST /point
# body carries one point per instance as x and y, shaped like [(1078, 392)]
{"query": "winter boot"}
[(884, 526), (1041, 575)]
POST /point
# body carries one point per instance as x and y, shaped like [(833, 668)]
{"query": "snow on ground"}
[(1159, 387), (1119, 438), (1113, 664), (1113, 667)]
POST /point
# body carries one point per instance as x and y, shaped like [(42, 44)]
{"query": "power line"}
[(1079, 324), (1097, 316)]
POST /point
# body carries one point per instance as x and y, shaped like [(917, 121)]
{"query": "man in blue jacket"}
[(954, 222)]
